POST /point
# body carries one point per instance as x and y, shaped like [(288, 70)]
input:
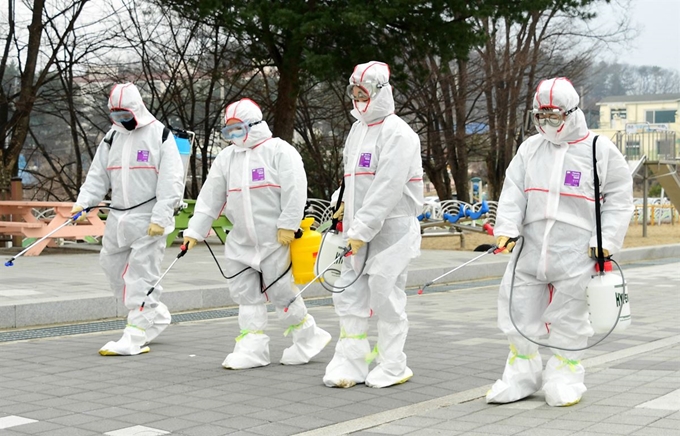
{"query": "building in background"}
[(646, 129), (642, 125)]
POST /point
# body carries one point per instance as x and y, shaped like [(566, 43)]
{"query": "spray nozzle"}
[(9, 263), (422, 289)]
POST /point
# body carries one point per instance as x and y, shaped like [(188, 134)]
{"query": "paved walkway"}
[(61, 386)]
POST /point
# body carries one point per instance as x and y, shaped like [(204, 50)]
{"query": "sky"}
[(658, 41)]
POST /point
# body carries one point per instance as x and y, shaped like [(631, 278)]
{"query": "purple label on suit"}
[(258, 174), (142, 155), (365, 160), (572, 178)]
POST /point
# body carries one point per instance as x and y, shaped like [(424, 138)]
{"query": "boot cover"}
[(349, 366), (160, 322), (391, 369), (563, 381), (308, 341), (521, 377), (251, 351), (130, 344), (380, 377)]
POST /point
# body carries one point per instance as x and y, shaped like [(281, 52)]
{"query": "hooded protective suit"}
[(548, 197), (137, 166), (383, 196), (259, 183)]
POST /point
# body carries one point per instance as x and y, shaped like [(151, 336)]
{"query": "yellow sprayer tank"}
[(303, 252)]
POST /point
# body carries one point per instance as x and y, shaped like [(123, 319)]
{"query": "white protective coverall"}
[(383, 196), (260, 184), (548, 197), (137, 166)]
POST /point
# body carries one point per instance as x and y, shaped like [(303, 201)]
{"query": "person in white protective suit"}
[(260, 184), (548, 197), (138, 161), (383, 196)]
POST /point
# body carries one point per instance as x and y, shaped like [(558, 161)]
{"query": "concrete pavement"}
[(59, 385)]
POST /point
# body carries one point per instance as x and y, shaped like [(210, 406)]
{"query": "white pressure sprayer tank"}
[(332, 245), (606, 293)]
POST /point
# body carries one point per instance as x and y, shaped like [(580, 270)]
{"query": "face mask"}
[(551, 133), (129, 125), (361, 106)]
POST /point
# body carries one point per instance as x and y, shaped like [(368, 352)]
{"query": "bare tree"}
[(191, 70), (54, 20), (548, 43)]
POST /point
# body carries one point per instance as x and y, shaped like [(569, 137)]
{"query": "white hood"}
[(247, 111), (560, 93), (382, 104), (126, 96)]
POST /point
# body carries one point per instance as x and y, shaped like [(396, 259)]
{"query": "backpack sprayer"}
[(69, 221)]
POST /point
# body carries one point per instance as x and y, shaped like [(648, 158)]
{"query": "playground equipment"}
[(452, 217)]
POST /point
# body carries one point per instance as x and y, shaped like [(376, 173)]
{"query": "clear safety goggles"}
[(364, 90), (237, 130), (548, 116), (121, 116)]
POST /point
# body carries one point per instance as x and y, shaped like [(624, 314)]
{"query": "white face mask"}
[(361, 106), (551, 133)]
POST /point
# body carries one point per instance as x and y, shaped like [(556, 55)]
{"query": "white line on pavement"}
[(13, 421)]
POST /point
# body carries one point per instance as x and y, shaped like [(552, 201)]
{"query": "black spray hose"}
[(218, 264), (298, 234)]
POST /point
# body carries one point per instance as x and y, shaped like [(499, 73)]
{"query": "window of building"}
[(660, 116), (618, 114)]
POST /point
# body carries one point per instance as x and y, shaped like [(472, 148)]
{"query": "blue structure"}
[(26, 177)]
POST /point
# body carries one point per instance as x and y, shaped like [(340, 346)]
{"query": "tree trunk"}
[(287, 95)]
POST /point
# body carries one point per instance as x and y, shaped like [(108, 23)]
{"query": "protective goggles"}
[(364, 90), (121, 116), (553, 117), (237, 130)]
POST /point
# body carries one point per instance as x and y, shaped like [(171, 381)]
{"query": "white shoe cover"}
[(379, 377), (563, 382), (159, 323), (130, 344), (521, 377), (349, 366), (391, 369), (308, 341), (251, 351)]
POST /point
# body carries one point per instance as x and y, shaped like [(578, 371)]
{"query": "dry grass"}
[(656, 235)]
